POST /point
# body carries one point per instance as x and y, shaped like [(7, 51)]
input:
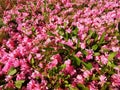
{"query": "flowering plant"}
[(60, 45)]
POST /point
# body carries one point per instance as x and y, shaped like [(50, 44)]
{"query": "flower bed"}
[(60, 45)]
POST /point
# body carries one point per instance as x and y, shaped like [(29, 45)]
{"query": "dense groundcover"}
[(60, 45)]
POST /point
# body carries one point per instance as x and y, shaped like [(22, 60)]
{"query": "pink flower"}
[(89, 54), (24, 65), (8, 78), (118, 55), (103, 79), (58, 57), (20, 76), (16, 63), (68, 30), (80, 79), (10, 44), (39, 56), (35, 74), (78, 54), (52, 64), (87, 73), (69, 43), (93, 85), (115, 49), (7, 66), (32, 85), (69, 69), (115, 79), (83, 45), (104, 59), (10, 84)]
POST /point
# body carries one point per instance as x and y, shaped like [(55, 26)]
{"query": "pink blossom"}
[(52, 64), (32, 85), (35, 74), (104, 59), (115, 80), (83, 45), (78, 54), (8, 78), (24, 65), (93, 86), (10, 84), (103, 79), (115, 49), (10, 44), (118, 55), (20, 76), (16, 63), (7, 66), (87, 73), (58, 57), (89, 54), (69, 43), (69, 69), (80, 79)]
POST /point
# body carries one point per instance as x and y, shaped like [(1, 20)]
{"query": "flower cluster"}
[(60, 45)]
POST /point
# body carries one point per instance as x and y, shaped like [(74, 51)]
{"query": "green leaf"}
[(90, 33), (111, 64), (96, 53), (67, 77), (32, 61), (94, 47), (102, 38), (105, 86), (88, 65), (65, 24), (112, 55), (75, 31), (49, 49), (53, 71), (33, 29), (19, 83), (66, 36), (62, 66), (118, 37), (12, 71), (96, 38), (73, 88), (50, 33), (78, 44), (1, 23), (51, 6), (76, 61), (85, 52), (68, 47), (61, 31), (82, 87), (88, 41)]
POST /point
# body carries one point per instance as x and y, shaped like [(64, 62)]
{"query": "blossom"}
[(103, 79), (36, 74), (20, 76), (69, 69), (104, 59), (80, 79), (93, 86), (89, 54), (87, 73), (34, 25), (115, 80), (52, 64), (32, 85)]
